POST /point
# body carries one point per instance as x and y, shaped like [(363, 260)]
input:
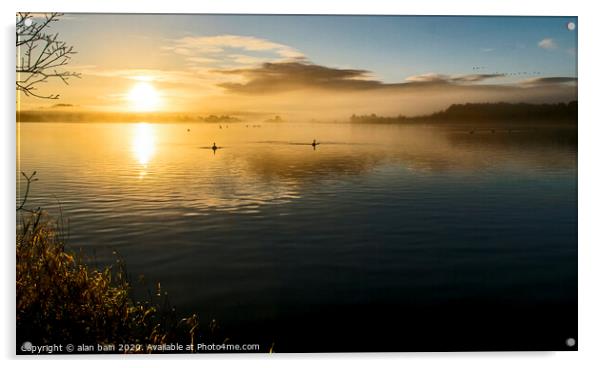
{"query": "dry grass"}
[(60, 299)]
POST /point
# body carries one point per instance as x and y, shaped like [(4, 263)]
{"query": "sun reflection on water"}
[(143, 144)]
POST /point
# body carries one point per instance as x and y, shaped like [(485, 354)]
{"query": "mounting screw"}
[(570, 26)]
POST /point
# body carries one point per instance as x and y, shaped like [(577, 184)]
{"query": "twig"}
[(36, 67), (30, 179)]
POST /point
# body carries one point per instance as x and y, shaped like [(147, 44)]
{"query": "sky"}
[(318, 66)]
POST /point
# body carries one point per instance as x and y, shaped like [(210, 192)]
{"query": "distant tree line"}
[(43, 116), (484, 111), (219, 119), (275, 119), (373, 118)]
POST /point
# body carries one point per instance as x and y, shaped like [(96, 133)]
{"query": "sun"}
[(143, 97)]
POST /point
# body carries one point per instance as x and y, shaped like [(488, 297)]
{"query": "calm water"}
[(382, 238)]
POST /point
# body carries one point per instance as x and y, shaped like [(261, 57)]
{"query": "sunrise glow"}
[(143, 97)]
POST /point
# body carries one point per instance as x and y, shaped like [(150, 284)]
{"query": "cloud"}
[(246, 59), (290, 76), (221, 47), (304, 88), (475, 77), (251, 75), (546, 81), (444, 78), (428, 78), (548, 44), (287, 76), (202, 60), (184, 77)]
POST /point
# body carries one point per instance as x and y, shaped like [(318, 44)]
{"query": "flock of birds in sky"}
[(482, 68)]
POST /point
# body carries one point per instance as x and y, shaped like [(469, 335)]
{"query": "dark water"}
[(382, 238)]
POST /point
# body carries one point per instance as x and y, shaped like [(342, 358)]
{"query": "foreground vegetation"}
[(60, 299)]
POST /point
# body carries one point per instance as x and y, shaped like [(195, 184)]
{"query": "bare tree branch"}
[(30, 179), (41, 54)]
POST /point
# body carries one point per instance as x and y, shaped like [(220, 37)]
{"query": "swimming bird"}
[(314, 144), (214, 147)]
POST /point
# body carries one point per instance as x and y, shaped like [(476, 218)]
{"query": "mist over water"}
[(273, 237)]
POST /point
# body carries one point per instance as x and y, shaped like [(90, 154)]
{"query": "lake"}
[(383, 237)]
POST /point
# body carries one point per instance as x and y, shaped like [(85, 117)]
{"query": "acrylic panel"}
[(295, 183)]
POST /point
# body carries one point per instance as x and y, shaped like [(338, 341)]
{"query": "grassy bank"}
[(61, 299)]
